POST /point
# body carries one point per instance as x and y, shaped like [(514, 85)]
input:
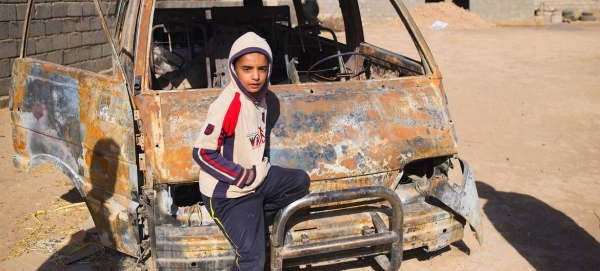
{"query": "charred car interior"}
[(191, 46), (369, 125)]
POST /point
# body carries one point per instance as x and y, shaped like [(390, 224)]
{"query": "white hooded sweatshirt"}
[(230, 148)]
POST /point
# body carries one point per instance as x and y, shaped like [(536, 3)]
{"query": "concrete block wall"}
[(494, 11), (197, 3), (504, 12), (576, 5), (66, 32), (380, 12), (332, 7), (370, 12), (222, 3)]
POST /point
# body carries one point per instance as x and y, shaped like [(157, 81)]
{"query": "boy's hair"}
[(235, 60)]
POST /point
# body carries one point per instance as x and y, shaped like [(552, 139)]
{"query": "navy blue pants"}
[(242, 220)]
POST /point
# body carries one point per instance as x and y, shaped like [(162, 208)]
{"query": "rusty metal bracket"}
[(142, 161), (280, 250), (150, 205), (139, 140), (463, 199)]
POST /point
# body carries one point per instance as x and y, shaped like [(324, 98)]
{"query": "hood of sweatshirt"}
[(250, 43)]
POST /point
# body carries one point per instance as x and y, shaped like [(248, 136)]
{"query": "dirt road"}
[(526, 104)]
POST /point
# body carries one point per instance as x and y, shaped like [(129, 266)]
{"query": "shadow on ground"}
[(72, 196), (539, 232)]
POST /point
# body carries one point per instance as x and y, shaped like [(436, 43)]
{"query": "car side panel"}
[(82, 123)]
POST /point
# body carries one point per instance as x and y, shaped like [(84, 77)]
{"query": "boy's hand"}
[(259, 171), (262, 169)]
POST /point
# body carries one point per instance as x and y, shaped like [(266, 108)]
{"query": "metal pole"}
[(110, 41), (26, 28)]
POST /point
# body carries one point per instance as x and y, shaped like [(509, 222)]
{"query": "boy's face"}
[(252, 70)]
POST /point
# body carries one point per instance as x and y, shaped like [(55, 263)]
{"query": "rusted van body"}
[(369, 125)]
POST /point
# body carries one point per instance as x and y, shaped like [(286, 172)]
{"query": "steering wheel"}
[(342, 70)]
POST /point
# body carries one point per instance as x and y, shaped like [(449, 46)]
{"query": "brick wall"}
[(66, 32)]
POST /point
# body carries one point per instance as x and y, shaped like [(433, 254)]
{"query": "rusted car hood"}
[(332, 131)]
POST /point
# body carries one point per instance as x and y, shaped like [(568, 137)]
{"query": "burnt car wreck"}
[(369, 125)]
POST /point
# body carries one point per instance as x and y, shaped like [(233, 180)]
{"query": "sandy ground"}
[(526, 104)]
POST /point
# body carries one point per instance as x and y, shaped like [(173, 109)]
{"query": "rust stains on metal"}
[(143, 45), (388, 125), (346, 135), (80, 122), (463, 199)]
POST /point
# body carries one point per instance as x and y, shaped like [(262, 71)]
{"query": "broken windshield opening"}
[(190, 47)]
